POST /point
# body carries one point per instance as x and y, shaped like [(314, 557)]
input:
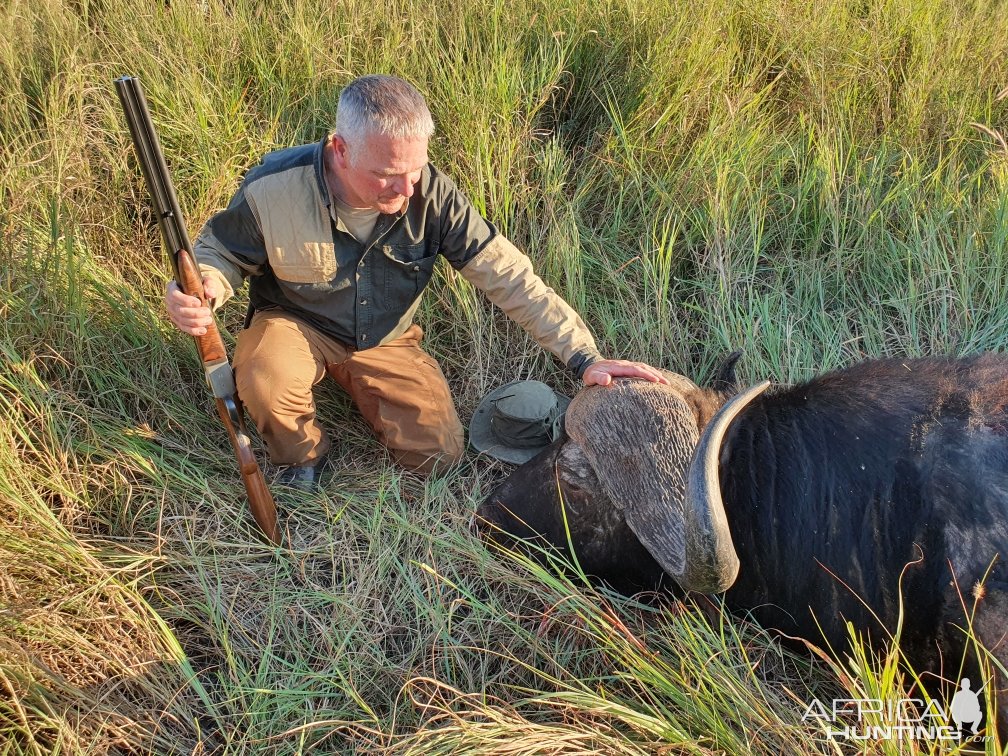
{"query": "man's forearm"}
[(230, 246), (215, 261), (224, 286), (506, 276)]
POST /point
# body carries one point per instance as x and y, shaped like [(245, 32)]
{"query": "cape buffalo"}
[(863, 492)]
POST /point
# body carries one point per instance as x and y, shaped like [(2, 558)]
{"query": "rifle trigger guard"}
[(233, 414)]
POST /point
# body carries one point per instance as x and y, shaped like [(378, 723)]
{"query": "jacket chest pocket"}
[(307, 263), (408, 268)]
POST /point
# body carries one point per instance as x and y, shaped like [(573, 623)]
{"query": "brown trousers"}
[(398, 388)]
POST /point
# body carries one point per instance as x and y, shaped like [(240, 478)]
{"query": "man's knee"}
[(272, 374), (266, 386)]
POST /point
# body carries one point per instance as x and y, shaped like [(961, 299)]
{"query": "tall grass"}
[(814, 183)]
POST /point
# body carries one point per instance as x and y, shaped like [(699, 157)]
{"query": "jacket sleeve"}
[(491, 263), (506, 276), (230, 246)]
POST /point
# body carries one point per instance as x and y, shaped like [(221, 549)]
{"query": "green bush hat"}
[(515, 422)]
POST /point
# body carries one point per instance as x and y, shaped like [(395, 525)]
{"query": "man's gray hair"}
[(382, 104)]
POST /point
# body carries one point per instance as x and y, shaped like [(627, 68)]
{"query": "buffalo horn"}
[(707, 523)]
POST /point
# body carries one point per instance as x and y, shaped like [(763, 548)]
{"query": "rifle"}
[(211, 349)]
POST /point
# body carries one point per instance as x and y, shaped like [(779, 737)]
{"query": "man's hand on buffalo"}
[(188, 313), (601, 373)]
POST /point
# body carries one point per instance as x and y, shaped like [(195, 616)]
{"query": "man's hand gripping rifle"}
[(210, 346)]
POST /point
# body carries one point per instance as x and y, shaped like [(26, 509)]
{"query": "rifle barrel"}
[(210, 346), (154, 168)]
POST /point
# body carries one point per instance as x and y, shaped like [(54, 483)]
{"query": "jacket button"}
[(416, 268), (363, 301), (363, 337)]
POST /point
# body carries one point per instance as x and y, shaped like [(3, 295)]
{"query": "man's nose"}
[(404, 186)]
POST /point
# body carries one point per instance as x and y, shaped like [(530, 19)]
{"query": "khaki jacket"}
[(281, 231)]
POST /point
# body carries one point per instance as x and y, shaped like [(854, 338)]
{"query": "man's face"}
[(379, 173)]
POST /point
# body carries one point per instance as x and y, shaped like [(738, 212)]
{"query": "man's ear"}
[(338, 147)]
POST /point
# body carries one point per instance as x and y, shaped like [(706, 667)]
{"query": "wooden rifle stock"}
[(210, 346)]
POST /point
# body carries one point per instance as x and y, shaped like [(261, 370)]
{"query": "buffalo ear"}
[(725, 380)]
